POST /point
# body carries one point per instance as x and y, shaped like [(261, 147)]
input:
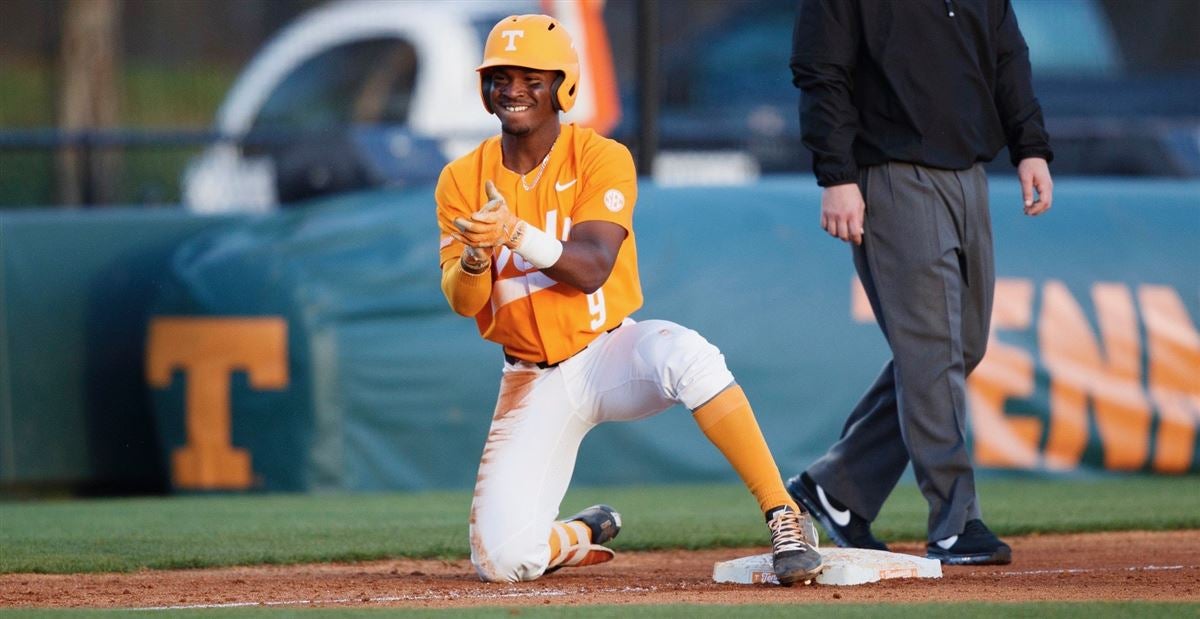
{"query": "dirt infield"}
[(1161, 566)]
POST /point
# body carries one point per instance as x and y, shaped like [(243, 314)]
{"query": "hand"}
[(842, 210), (476, 260), (1035, 175), (492, 225)]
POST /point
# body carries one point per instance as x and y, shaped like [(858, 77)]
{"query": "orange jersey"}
[(588, 178)]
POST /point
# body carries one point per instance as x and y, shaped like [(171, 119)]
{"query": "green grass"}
[(200, 531), (150, 97), (158, 96), (147, 175), (26, 89), (27, 178), (153, 175), (1081, 610)]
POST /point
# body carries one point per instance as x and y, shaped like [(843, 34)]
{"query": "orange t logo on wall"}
[(209, 350)]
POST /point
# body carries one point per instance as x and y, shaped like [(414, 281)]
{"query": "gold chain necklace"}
[(541, 169)]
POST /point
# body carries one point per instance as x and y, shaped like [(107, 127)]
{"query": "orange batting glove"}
[(491, 225)]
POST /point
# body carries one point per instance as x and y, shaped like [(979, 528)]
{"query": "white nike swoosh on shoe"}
[(945, 544), (564, 186), (841, 517)]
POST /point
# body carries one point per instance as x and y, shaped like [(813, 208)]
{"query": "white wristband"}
[(539, 248)]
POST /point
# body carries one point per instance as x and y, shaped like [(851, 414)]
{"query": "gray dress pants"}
[(926, 265)]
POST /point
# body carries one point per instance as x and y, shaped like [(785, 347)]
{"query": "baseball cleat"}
[(603, 521), (976, 545), (793, 558), (844, 527)]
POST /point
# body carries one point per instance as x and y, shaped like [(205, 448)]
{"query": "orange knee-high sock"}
[(728, 421)]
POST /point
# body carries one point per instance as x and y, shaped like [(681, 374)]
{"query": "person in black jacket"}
[(901, 103)]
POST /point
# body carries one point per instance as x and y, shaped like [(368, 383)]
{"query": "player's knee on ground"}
[(510, 563), (690, 369)]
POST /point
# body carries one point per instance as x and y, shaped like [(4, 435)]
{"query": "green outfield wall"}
[(76, 289), (312, 349)]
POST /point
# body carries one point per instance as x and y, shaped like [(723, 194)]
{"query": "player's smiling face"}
[(521, 99)]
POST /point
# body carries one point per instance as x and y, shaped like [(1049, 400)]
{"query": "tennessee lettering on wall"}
[(208, 351), (1129, 386)]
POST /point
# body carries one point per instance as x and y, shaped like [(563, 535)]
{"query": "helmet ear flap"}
[(485, 89), (556, 98)]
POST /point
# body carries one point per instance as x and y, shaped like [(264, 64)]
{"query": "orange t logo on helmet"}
[(532, 42)]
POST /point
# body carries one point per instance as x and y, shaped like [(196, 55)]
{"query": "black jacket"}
[(941, 83)]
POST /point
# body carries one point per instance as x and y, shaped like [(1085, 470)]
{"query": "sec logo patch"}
[(614, 200)]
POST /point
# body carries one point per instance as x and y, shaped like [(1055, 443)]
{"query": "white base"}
[(843, 566)]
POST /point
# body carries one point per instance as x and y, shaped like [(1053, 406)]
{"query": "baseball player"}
[(538, 246)]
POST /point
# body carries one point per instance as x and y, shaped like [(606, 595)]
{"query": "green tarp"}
[(1094, 363)]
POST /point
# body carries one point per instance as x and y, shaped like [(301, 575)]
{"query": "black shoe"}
[(604, 522), (976, 545), (844, 527)]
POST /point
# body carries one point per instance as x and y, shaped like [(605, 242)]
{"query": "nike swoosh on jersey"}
[(840, 516), (564, 186)]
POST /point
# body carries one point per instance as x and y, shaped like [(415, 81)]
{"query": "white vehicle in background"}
[(370, 93)]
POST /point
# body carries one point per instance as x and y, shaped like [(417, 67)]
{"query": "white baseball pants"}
[(542, 415)]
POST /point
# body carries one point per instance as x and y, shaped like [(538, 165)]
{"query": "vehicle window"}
[(743, 57), (726, 55), (362, 82), (1068, 38)]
